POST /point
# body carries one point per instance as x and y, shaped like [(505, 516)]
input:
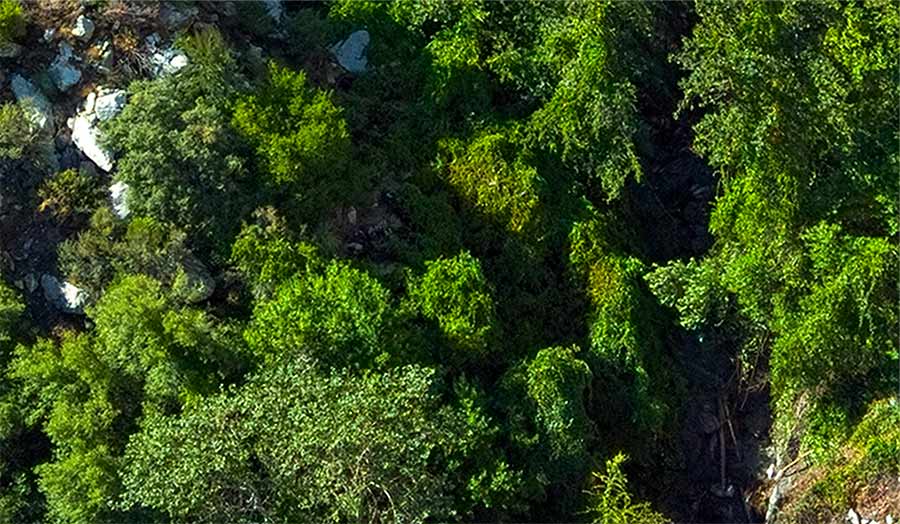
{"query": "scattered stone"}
[(164, 61), (723, 493), (64, 296), (275, 9), (109, 103), (49, 34), (86, 137), (36, 106), (351, 52), (355, 248), (31, 282), (63, 73), (176, 17), (351, 215), (852, 517), (118, 193), (10, 50), (84, 28), (889, 520), (770, 472)]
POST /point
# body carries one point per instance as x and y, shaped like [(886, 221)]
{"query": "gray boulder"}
[(86, 137), (351, 52), (64, 296), (64, 74), (109, 103), (84, 28), (37, 108)]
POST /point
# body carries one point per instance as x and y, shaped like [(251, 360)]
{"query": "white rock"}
[(167, 61), (889, 520), (63, 73), (275, 9), (89, 102), (64, 296), (351, 53), (86, 138), (84, 28), (49, 34), (852, 517), (109, 103), (118, 193), (770, 471), (36, 106)]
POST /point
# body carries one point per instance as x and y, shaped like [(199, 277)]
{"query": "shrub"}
[(299, 136), (16, 133), (454, 293), (610, 502), (12, 21), (70, 192)]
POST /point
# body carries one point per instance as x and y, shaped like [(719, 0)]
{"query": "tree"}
[(454, 293), (298, 134), (183, 163), (295, 444), (88, 391), (341, 317), (610, 501)]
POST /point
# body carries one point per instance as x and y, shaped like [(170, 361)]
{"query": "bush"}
[(299, 135), (16, 133), (610, 502), (12, 21), (70, 192), (454, 293)]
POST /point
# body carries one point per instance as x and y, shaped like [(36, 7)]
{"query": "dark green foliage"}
[(108, 248), (16, 133), (70, 194), (267, 254), (180, 156)]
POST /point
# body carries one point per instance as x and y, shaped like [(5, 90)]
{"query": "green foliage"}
[(70, 193), (12, 21), (610, 501), (298, 133), (11, 310), (16, 132), (300, 446), (625, 348), (495, 179), (143, 356), (267, 254), (181, 159), (108, 248), (454, 293), (693, 289), (340, 316)]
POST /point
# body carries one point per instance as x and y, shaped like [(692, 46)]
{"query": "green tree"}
[(610, 501), (341, 316), (454, 293), (181, 159), (298, 134), (294, 444)]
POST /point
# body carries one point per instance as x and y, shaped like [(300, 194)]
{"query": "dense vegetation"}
[(425, 292)]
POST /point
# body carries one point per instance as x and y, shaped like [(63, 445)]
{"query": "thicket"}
[(497, 351)]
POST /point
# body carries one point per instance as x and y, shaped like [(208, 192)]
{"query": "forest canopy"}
[(472, 261)]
